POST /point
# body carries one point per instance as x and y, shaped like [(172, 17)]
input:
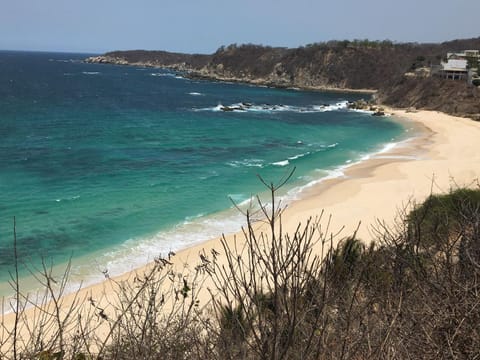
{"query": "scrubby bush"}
[(412, 294)]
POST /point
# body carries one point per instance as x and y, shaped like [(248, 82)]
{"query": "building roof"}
[(455, 65)]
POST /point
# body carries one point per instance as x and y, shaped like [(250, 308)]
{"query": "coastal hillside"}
[(345, 65), (448, 96), (153, 58)]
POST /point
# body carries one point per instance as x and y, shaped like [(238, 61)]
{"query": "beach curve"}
[(440, 157)]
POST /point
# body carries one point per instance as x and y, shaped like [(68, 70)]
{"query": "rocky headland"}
[(398, 74)]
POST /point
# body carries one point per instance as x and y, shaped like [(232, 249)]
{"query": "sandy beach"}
[(443, 155)]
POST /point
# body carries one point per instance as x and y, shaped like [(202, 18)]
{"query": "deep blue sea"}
[(115, 165)]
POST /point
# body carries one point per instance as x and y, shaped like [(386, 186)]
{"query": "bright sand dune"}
[(444, 155)]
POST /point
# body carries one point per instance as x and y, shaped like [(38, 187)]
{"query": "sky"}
[(194, 26)]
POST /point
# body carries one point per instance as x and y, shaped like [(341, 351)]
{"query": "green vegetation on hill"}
[(413, 294)]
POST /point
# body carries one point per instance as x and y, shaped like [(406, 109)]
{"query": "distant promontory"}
[(399, 73)]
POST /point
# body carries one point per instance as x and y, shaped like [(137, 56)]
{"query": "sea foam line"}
[(163, 74), (140, 251), (196, 229), (269, 108), (340, 171), (135, 253), (299, 156), (68, 199), (295, 157), (247, 163), (172, 75), (281, 163)]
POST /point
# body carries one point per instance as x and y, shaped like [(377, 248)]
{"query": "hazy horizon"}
[(205, 53), (193, 27)]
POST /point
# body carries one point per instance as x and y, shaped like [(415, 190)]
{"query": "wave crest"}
[(269, 108)]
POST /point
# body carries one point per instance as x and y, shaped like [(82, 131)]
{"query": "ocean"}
[(111, 166)]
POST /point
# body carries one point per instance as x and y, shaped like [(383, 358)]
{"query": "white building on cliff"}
[(460, 66)]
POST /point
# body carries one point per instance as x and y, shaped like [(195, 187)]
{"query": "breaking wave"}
[(269, 108)]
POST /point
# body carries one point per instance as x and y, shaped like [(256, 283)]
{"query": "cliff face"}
[(357, 65), (448, 96), (336, 65)]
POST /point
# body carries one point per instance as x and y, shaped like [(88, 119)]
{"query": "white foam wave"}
[(281, 163), (377, 154), (135, 253), (339, 172), (188, 219), (247, 163), (301, 155), (362, 111), (295, 157), (247, 203), (324, 175), (90, 72), (65, 60), (239, 199), (193, 93), (332, 107), (269, 108), (195, 229), (163, 74), (68, 199), (387, 147), (370, 112), (209, 175)]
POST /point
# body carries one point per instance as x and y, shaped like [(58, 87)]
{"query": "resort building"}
[(460, 66), (455, 69)]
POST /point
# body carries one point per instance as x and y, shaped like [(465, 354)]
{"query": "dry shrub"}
[(414, 293)]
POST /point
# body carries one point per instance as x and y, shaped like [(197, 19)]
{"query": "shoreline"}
[(390, 169), (112, 261), (370, 192)]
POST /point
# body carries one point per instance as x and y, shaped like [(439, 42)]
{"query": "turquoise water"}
[(126, 163)]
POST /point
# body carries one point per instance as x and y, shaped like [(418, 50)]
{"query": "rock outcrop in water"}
[(380, 66)]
